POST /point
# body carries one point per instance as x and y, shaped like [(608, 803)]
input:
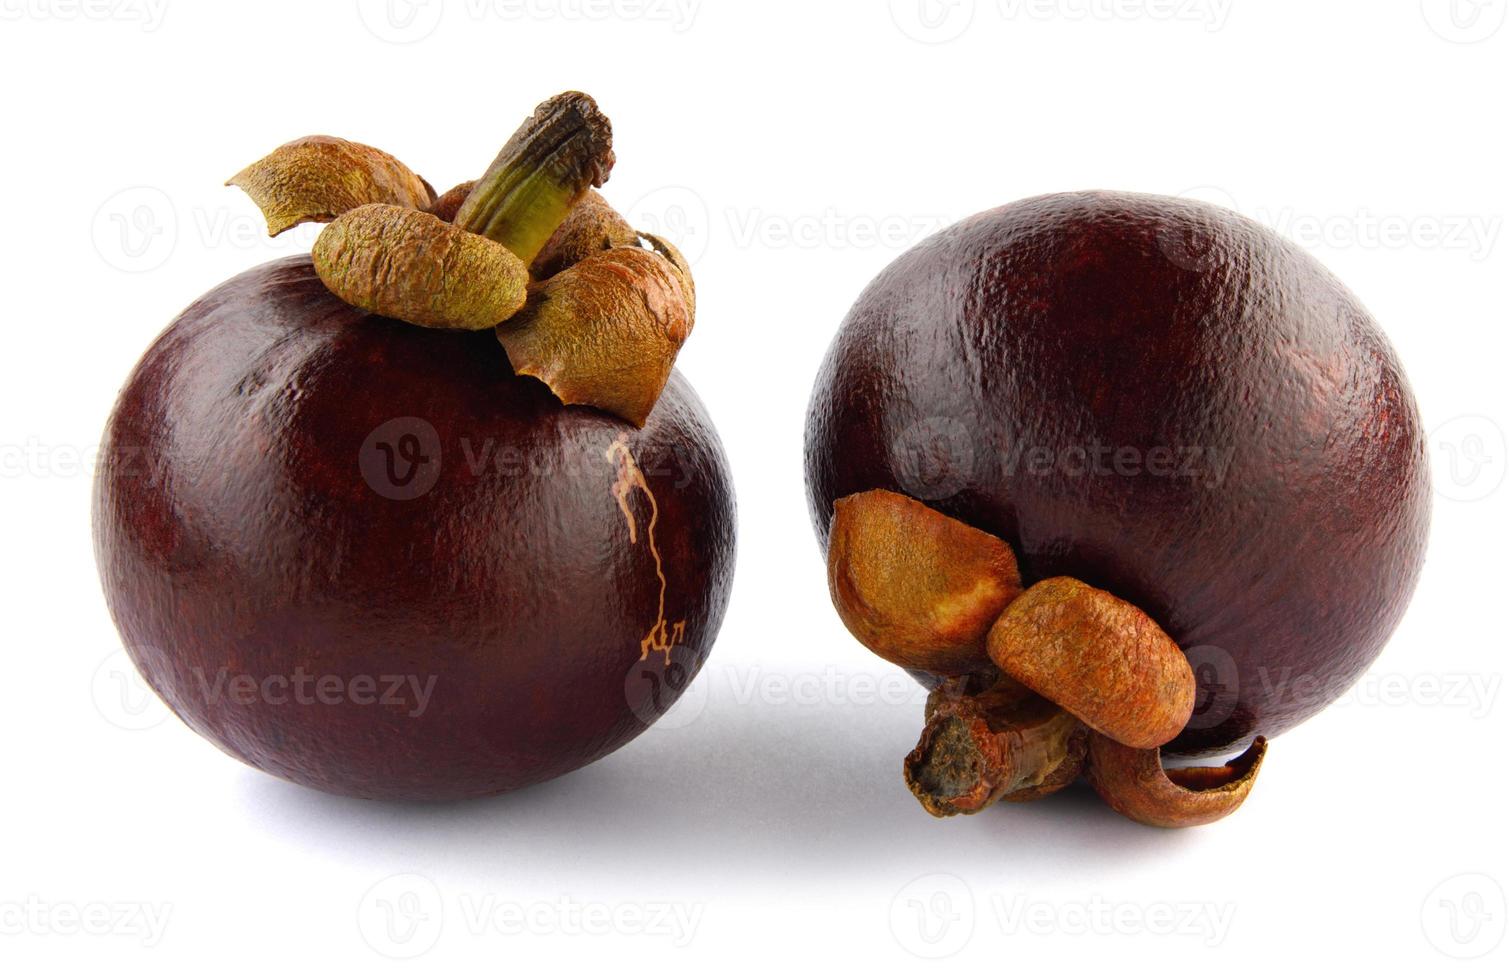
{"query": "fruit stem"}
[(545, 168), (1003, 743)]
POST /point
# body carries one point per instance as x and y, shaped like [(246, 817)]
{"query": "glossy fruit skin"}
[(995, 370), (247, 524)]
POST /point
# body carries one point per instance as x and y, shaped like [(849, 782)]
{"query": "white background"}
[(794, 148)]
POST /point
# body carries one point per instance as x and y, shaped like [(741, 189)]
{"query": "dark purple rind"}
[(235, 531), (1124, 320)]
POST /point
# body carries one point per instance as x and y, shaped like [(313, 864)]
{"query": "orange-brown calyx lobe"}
[(1102, 659), (604, 332), (317, 178), (1135, 784), (916, 586), (608, 308), (412, 266)]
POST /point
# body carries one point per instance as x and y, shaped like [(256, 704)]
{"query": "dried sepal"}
[(412, 266), (1135, 784), (683, 267), (446, 205), (317, 178), (917, 587), (1100, 658), (591, 227), (1002, 743), (604, 332)]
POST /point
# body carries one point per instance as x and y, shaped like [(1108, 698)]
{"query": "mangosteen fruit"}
[(1132, 460), (426, 514)]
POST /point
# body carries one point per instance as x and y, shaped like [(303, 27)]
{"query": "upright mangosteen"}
[(354, 542), (1186, 438)]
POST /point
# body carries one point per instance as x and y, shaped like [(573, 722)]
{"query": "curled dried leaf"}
[(604, 332), (447, 204), (412, 266), (317, 178), (1134, 783), (916, 586), (683, 267), (1100, 658), (591, 227), (1002, 743)]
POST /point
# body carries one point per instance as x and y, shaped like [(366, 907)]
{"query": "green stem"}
[(560, 152)]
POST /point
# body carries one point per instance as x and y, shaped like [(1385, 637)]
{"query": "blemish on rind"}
[(662, 636)]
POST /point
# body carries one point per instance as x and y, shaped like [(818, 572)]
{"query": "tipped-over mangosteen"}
[(1122, 478)]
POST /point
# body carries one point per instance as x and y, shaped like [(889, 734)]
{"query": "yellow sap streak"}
[(662, 637)]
